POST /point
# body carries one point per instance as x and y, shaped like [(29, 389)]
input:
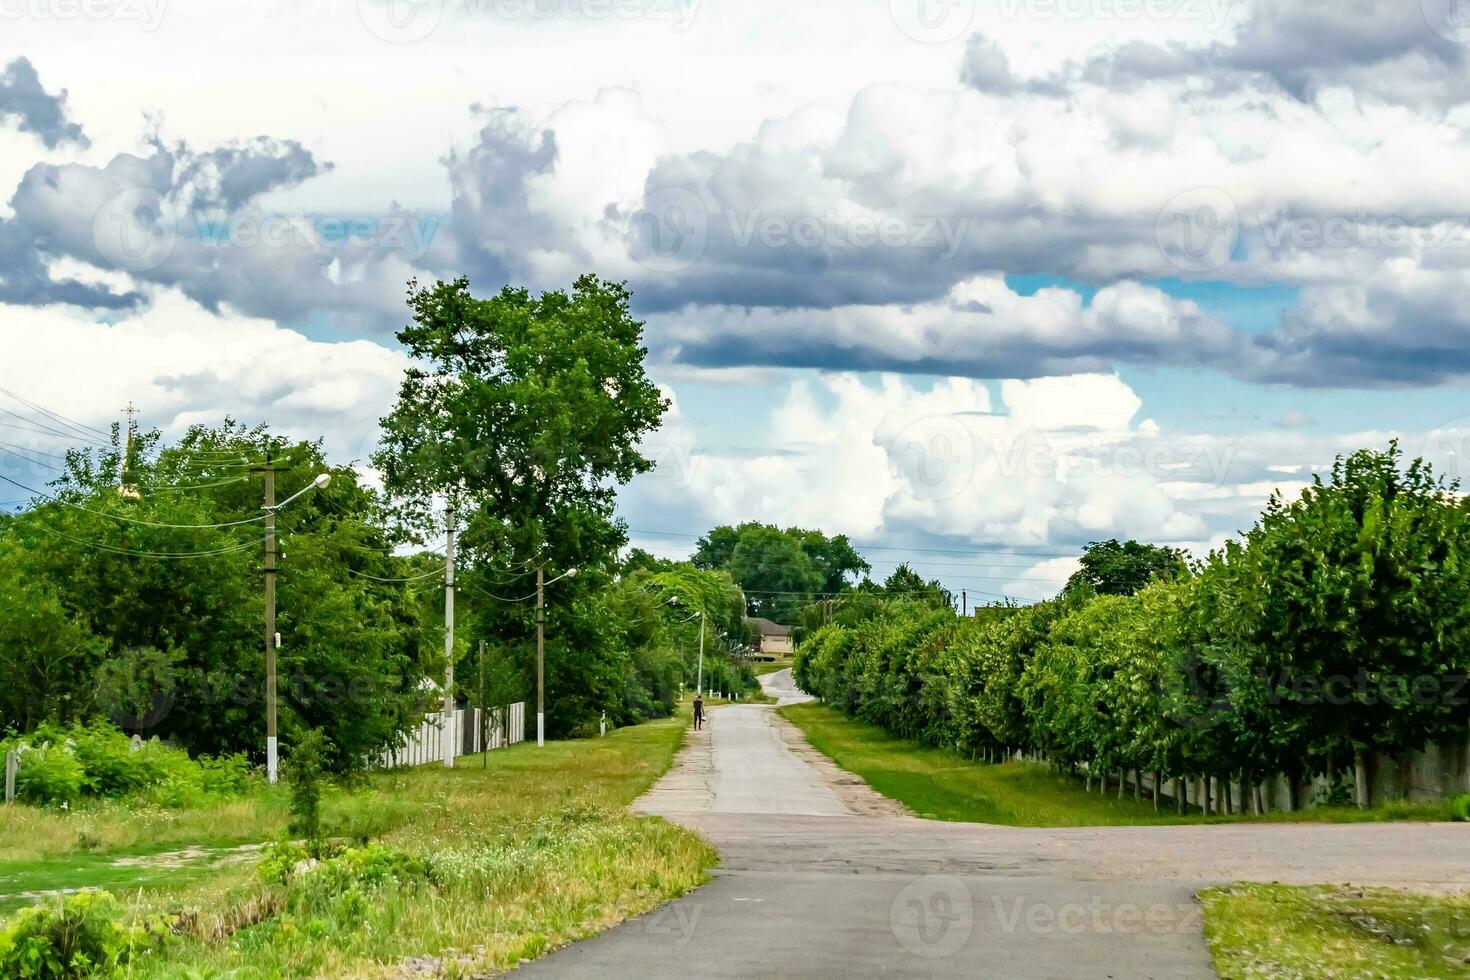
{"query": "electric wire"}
[(133, 520)]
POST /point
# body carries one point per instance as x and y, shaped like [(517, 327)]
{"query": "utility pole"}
[(449, 730), (124, 489), (699, 678), (272, 638), (484, 714), (540, 656), (964, 603), (271, 746)]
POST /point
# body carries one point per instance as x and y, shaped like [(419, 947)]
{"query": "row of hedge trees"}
[(1339, 626)]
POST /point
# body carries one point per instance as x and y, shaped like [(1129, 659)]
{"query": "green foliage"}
[(50, 774), (779, 569), (304, 772), (1113, 568), (1460, 808), (1338, 626), (173, 647), (73, 936), (68, 764)]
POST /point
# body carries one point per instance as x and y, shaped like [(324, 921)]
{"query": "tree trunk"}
[(1122, 782), (1360, 778), (1158, 785), (1137, 786), (1179, 802)]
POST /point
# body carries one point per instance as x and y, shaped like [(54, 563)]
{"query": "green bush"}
[(80, 935), (1460, 808), (304, 770), (62, 765), (50, 775)]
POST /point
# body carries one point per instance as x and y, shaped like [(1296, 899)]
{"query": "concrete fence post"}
[(12, 767)]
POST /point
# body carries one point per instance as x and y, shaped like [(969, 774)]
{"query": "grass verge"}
[(529, 849), (1336, 932), (943, 786)]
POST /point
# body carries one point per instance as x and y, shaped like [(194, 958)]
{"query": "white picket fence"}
[(425, 744)]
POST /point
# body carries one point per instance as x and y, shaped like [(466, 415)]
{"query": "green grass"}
[(1336, 932), (762, 669), (940, 785), (543, 849)]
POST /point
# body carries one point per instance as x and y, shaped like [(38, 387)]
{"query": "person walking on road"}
[(698, 712)]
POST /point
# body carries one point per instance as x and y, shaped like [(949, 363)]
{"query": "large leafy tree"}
[(780, 570), (527, 413), (1123, 568), (1341, 622), (152, 598)]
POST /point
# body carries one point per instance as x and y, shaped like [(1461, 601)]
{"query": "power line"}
[(55, 416), (410, 578), (499, 598), (875, 547), (133, 520), (148, 554)]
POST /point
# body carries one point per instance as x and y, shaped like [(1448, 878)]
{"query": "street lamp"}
[(699, 677), (272, 638)]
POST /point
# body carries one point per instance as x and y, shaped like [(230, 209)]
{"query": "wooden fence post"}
[(12, 767)]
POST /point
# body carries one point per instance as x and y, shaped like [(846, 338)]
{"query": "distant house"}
[(775, 640)]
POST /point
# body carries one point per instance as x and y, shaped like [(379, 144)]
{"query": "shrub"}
[(1460, 808), (50, 775), (80, 935), (63, 765), (304, 771)]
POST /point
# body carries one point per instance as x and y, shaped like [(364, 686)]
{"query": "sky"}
[(974, 282)]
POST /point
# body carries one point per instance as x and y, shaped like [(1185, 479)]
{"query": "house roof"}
[(771, 628)]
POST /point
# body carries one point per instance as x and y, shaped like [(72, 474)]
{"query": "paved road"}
[(821, 877)]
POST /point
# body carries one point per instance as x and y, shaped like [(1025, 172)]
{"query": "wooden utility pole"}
[(540, 656), (484, 714), (448, 727), (272, 758)]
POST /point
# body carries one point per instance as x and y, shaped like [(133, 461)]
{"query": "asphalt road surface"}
[(821, 877)]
